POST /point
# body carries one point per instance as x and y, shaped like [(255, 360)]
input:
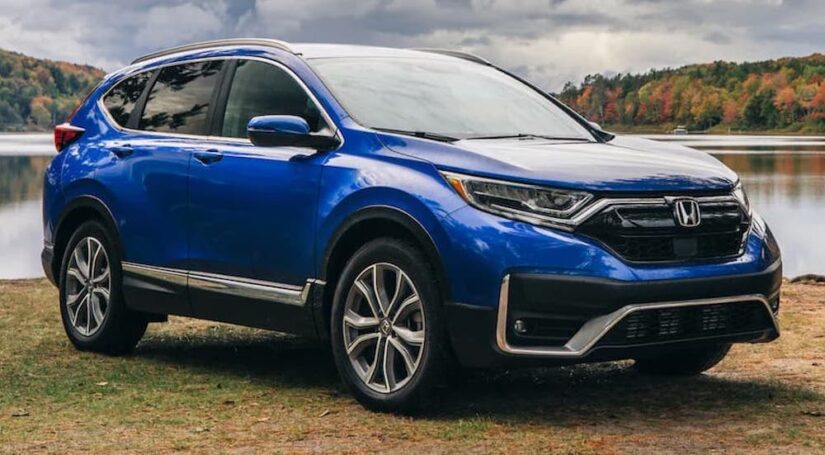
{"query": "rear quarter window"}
[(121, 100)]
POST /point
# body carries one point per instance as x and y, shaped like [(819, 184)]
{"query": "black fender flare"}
[(375, 213), (66, 220)]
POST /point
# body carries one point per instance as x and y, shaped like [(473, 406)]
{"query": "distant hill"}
[(786, 94), (35, 94)]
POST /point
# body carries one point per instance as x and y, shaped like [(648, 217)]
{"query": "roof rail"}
[(217, 43), (454, 53)]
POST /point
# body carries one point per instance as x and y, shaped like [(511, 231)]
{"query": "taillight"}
[(65, 134)]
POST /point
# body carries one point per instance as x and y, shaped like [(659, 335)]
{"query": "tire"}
[(110, 327), (391, 325), (683, 362)]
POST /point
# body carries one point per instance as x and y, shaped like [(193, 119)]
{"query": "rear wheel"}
[(683, 362), (94, 313), (387, 333)]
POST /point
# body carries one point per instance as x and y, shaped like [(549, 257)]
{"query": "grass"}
[(198, 386)]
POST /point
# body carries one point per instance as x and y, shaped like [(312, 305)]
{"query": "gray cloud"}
[(549, 41)]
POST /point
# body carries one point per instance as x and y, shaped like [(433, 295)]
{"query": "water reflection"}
[(21, 232), (788, 189), (785, 178)]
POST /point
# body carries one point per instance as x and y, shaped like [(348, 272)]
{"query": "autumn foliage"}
[(787, 93), (36, 94)]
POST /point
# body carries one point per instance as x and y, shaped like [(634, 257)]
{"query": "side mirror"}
[(596, 126), (287, 131)]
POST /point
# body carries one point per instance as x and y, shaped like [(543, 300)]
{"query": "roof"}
[(315, 50)]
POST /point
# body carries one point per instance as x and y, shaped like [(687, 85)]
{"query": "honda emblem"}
[(686, 212)]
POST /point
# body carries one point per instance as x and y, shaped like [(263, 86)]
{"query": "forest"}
[(36, 94), (786, 94)]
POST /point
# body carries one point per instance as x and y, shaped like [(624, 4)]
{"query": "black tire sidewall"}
[(117, 308), (414, 264)]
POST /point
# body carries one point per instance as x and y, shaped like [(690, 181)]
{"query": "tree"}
[(41, 115), (760, 111), (9, 118), (34, 92)]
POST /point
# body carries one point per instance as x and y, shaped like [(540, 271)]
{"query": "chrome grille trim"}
[(711, 209), (595, 329), (601, 204)]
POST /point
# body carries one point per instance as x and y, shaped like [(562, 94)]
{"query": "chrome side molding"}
[(172, 276), (595, 329), (227, 284)]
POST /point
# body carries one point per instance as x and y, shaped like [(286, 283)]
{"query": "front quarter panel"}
[(364, 175)]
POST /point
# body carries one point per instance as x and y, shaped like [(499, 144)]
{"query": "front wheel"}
[(94, 313), (387, 331)]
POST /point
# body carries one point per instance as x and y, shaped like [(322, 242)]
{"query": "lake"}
[(784, 177)]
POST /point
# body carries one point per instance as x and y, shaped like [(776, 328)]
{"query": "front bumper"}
[(570, 319)]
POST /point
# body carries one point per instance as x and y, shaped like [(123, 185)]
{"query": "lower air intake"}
[(685, 323)]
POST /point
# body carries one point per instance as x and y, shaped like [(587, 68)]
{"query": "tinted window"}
[(121, 100), (179, 100), (262, 89)]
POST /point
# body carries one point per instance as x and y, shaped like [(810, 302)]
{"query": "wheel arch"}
[(77, 212), (366, 224)]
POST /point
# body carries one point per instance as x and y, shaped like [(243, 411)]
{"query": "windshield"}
[(452, 98)]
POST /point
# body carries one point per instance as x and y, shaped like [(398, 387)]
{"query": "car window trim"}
[(216, 127), (137, 111), (138, 106), (336, 130)]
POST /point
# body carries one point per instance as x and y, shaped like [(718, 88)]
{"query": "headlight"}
[(533, 204), (742, 197)]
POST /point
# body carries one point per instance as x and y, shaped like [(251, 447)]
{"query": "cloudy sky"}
[(549, 41)]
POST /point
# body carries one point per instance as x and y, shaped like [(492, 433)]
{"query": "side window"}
[(259, 88), (121, 100), (179, 100)]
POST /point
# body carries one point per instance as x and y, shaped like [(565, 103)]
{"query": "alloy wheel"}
[(88, 286), (384, 327)]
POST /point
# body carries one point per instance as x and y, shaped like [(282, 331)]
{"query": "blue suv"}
[(418, 210)]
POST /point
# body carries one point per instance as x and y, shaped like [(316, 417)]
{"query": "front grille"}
[(685, 323), (649, 233)]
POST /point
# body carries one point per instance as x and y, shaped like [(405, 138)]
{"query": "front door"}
[(253, 209)]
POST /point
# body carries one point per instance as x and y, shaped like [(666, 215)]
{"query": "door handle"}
[(209, 156), (121, 151)]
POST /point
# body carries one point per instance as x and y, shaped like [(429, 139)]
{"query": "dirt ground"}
[(194, 386)]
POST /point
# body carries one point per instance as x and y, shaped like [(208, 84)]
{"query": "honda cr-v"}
[(419, 210)]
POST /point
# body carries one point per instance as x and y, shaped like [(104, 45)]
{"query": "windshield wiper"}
[(421, 134), (530, 136)]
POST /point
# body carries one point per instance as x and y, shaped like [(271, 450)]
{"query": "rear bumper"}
[(47, 260), (569, 319)]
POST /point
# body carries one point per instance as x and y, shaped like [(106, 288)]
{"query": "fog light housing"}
[(774, 304), (520, 327)]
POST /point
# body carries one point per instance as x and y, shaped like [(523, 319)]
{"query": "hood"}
[(625, 164)]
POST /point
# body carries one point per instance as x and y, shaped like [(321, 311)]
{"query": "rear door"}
[(253, 208), (148, 176)]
